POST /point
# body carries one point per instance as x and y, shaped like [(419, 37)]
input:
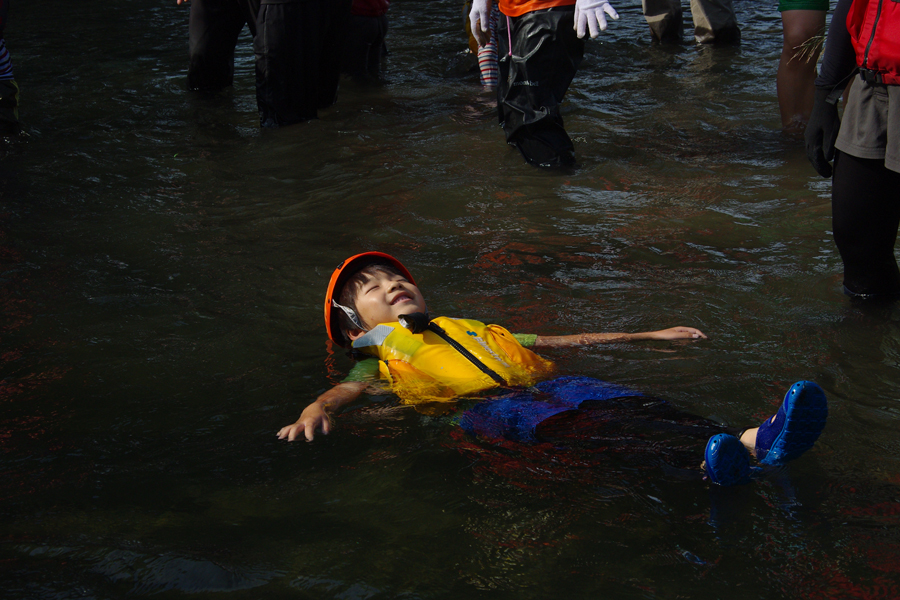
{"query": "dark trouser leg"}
[(364, 45), (9, 90), (212, 35), (634, 426), (546, 54), (298, 57), (9, 107), (865, 205), (331, 44)]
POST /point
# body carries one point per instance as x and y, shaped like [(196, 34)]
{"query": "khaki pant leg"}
[(665, 19), (714, 21)]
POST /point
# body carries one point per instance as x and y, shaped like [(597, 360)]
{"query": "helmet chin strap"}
[(351, 314), (416, 322)]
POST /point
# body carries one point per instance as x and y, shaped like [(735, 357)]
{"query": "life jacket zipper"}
[(439, 331), (865, 61)]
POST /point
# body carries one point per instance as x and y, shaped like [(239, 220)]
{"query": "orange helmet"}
[(342, 273)]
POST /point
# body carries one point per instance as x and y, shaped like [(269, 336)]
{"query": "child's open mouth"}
[(401, 298)]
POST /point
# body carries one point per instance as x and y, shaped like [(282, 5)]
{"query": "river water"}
[(163, 267)]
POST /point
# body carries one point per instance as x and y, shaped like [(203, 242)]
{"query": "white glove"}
[(480, 21), (589, 14)]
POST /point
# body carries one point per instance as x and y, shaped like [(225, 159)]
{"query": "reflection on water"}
[(163, 267)]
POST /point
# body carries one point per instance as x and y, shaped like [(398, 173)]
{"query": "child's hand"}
[(678, 333), (313, 417)]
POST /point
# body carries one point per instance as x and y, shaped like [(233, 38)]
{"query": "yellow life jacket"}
[(423, 367)]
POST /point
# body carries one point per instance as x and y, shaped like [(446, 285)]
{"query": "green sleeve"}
[(526, 339), (364, 370)]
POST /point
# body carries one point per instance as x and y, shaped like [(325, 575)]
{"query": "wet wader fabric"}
[(212, 35), (546, 53), (298, 58)]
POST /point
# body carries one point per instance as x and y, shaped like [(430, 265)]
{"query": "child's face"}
[(384, 297)]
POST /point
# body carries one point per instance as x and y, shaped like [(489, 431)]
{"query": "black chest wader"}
[(534, 77)]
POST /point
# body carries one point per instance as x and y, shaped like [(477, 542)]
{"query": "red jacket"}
[(370, 8), (874, 27)]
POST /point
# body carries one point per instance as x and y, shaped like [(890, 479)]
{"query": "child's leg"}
[(487, 55), (793, 429), (785, 436), (639, 431), (487, 64), (748, 439)]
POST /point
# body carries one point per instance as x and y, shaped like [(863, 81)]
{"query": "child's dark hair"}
[(355, 283)]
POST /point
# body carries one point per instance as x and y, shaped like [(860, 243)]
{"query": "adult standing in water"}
[(298, 47), (714, 21), (801, 20), (864, 38), (9, 89), (213, 32), (540, 48)]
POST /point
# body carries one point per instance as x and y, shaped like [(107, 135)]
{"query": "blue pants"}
[(585, 411)]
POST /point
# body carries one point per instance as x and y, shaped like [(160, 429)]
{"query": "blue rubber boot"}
[(727, 461), (795, 427)]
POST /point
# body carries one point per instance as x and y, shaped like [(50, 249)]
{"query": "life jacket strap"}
[(439, 331)]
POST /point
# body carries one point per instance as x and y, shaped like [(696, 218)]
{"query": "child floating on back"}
[(374, 306)]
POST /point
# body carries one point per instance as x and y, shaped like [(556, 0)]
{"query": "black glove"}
[(821, 133)]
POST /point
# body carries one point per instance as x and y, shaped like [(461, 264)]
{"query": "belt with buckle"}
[(870, 76)]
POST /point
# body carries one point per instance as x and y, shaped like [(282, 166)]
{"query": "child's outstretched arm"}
[(315, 416), (587, 339)]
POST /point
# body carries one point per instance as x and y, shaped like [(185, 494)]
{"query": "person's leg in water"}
[(488, 70), (298, 59), (213, 32), (664, 17), (9, 89), (539, 56), (796, 76), (645, 432), (364, 48), (865, 207), (790, 432), (631, 424), (715, 22)]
